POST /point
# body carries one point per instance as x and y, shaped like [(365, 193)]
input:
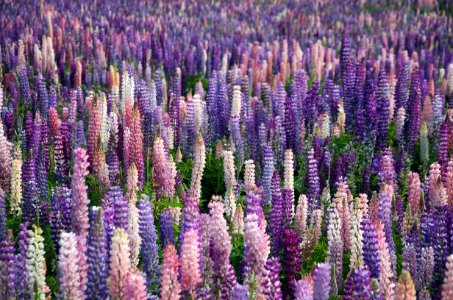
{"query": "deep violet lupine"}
[(149, 242), (383, 109), (276, 215), (358, 285), (97, 258), (292, 258), (414, 107), (312, 179), (370, 248), (7, 260), (60, 213), (167, 233), (21, 275), (79, 193), (29, 201), (321, 281)]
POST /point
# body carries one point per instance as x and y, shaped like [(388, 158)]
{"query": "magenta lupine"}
[(80, 199), (292, 258)]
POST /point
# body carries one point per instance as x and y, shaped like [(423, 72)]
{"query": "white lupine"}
[(325, 130), (289, 170), (36, 264), (133, 234), (249, 176), (170, 138), (437, 116), (127, 89), (400, 118), (68, 268), (238, 221), (228, 169), (103, 116), (300, 221), (356, 239), (199, 163), (113, 124), (236, 102), (153, 96), (16, 182), (230, 202), (115, 96), (336, 247), (198, 113)]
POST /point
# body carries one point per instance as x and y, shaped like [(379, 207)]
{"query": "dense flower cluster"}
[(226, 150)]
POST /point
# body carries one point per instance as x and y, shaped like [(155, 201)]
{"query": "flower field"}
[(226, 150)]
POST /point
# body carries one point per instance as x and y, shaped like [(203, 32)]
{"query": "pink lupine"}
[(54, 121), (447, 287), (164, 172), (341, 204), (68, 268), (414, 192), (94, 131), (449, 182), (300, 221), (190, 270), (170, 286), (82, 261), (132, 184), (135, 286), (136, 145), (80, 199), (220, 239), (437, 193), (386, 273), (120, 264)]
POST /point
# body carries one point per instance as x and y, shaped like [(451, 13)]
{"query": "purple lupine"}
[(97, 258), (370, 248), (29, 203), (2, 215), (292, 258), (358, 285), (443, 144), (61, 169), (190, 216), (211, 106), (271, 284), (312, 179), (149, 242), (43, 97), (440, 245), (119, 203), (253, 206), (321, 281), (288, 203), (228, 284), (60, 213), (401, 94), (413, 112), (24, 85), (7, 259), (310, 104), (21, 275), (428, 229), (383, 109), (276, 215), (167, 233)]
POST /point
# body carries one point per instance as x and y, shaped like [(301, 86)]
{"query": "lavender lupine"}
[(370, 248), (304, 289), (268, 170), (321, 281), (312, 179)]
